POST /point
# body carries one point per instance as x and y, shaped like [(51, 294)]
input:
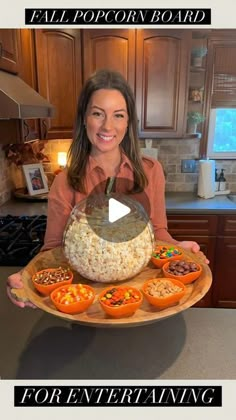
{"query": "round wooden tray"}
[(95, 316)]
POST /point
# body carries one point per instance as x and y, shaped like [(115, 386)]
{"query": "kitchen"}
[(210, 222)]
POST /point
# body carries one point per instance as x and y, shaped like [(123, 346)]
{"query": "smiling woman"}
[(106, 123), (106, 144)]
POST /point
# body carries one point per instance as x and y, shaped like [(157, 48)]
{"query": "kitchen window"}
[(221, 141), (222, 133)]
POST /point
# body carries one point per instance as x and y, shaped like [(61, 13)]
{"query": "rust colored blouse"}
[(62, 198)]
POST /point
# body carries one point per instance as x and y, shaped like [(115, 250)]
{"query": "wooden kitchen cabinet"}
[(112, 49), (224, 292), (203, 230), (58, 64), (197, 81), (30, 129), (17, 130), (8, 50), (162, 68)]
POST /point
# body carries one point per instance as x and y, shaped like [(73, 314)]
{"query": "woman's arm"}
[(60, 204), (156, 194)]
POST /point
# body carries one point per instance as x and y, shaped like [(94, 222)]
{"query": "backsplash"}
[(5, 183), (170, 154)]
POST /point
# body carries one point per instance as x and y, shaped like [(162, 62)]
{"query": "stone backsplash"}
[(5, 183), (170, 154)]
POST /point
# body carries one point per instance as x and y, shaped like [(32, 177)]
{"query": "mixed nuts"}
[(162, 288), (47, 277)]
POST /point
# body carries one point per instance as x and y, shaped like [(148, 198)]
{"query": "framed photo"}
[(35, 178), (196, 94)]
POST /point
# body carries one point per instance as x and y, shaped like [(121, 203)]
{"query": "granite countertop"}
[(16, 207), (198, 343), (176, 203), (190, 203)]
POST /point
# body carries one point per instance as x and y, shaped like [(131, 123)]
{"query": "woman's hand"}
[(14, 281), (194, 247)]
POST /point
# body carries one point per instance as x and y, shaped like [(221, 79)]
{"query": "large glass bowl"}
[(103, 251)]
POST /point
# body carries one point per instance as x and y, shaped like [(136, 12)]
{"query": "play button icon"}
[(117, 216), (116, 210)]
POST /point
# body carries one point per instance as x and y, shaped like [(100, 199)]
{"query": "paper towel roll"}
[(206, 179), (149, 150)]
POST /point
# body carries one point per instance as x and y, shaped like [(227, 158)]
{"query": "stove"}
[(21, 238)]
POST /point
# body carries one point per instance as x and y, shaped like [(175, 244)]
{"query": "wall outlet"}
[(188, 165)]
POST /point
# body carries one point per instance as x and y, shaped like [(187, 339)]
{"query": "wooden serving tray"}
[(95, 316)]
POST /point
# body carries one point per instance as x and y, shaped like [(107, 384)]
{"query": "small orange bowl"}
[(73, 298), (161, 253), (184, 278), (124, 293), (46, 289), (163, 292)]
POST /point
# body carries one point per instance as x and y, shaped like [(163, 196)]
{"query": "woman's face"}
[(106, 120)]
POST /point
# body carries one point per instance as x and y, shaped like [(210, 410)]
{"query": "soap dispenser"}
[(217, 184), (222, 181)]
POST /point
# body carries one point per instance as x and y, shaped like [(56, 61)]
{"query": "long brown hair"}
[(81, 147)]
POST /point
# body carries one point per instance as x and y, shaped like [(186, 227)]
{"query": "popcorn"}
[(103, 260)]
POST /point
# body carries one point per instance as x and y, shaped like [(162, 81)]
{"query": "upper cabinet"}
[(27, 72), (155, 62), (8, 50), (162, 67), (19, 57), (111, 49), (197, 84), (58, 64)]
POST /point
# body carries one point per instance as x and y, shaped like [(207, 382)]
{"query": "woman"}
[(105, 144)]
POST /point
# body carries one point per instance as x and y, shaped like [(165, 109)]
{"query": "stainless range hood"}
[(19, 101)]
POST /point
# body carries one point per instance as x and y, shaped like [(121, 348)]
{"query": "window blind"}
[(224, 77)]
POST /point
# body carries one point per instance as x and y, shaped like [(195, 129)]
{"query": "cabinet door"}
[(27, 72), (8, 50), (161, 81), (224, 293), (189, 225), (14, 131), (109, 48), (201, 229), (58, 55), (227, 225)]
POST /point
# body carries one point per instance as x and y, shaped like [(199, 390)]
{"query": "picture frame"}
[(196, 94), (35, 177)]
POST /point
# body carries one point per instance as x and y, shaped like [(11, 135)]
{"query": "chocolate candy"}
[(181, 267)]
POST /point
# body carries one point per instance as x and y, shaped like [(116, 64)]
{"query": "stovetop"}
[(21, 238)]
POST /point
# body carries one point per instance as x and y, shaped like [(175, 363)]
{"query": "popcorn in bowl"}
[(100, 251), (103, 261)]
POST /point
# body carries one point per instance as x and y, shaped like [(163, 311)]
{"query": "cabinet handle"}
[(0, 50)]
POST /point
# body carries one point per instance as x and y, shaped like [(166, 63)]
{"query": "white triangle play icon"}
[(116, 210)]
